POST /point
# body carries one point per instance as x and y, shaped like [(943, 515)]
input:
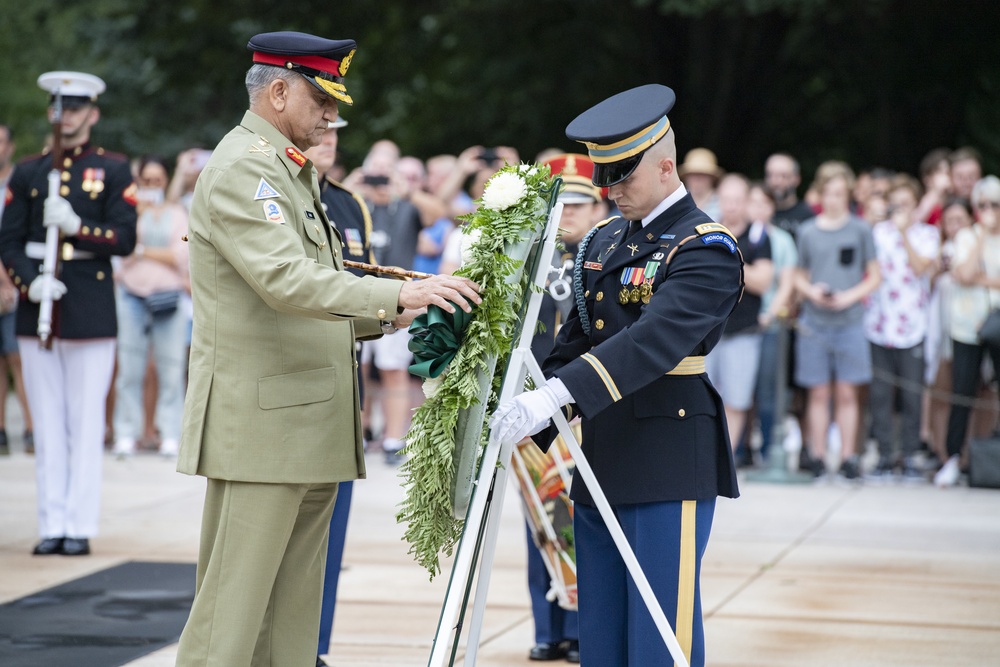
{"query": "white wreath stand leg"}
[(489, 494)]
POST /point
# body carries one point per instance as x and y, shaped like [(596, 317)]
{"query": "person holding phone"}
[(837, 269)]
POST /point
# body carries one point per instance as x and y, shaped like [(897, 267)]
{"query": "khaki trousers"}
[(260, 576)]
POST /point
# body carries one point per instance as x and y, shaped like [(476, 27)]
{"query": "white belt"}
[(36, 250)]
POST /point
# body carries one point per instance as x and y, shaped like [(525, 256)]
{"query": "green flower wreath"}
[(513, 207)]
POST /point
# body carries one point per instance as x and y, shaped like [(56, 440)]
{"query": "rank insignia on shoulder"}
[(272, 212), (296, 156), (265, 191), (710, 227), (593, 266)]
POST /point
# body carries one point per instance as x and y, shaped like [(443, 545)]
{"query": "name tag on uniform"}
[(593, 266)]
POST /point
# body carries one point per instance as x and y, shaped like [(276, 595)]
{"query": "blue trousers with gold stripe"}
[(669, 539), (334, 559)]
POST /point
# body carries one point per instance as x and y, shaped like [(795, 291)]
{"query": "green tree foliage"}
[(874, 82)]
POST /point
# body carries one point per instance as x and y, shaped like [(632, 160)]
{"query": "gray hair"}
[(259, 76), (987, 188)]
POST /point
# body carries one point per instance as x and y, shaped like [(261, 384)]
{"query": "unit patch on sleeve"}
[(265, 191), (725, 239), (273, 212)]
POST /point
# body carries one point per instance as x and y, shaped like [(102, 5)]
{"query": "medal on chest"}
[(637, 283)]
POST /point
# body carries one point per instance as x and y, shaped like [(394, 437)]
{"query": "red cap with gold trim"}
[(577, 172), (323, 62)]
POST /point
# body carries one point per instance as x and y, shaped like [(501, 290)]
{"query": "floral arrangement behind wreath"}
[(514, 206)]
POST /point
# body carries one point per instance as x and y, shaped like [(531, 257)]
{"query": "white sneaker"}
[(949, 473), (124, 448), (169, 448)]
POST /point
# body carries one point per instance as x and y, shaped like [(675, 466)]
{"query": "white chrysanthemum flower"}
[(431, 386), (504, 190), (469, 239)]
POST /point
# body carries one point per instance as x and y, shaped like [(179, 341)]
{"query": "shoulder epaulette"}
[(111, 154)]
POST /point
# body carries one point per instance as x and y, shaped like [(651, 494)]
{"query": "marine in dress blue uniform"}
[(67, 385), (653, 295)]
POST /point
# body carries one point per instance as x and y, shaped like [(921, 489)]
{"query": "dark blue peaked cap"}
[(620, 129), (323, 62)]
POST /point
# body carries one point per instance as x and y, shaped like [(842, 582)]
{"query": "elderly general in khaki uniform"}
[(271, 414)]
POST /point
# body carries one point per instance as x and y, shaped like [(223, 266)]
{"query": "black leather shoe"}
[(73, 546), (573, 651), (545, 651), (48, 547)]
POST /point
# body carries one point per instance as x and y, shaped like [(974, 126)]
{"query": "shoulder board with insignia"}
[(605, 222)]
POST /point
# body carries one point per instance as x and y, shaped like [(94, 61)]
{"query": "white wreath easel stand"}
[(483, 518)]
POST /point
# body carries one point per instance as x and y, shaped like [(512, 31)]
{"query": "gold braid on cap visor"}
[(334, 89), (629, 146), (328, 83)]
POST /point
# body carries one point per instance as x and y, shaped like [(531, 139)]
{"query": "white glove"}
[(58, 289), (59, 212), (528, 413)]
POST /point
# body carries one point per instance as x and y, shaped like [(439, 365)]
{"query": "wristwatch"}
[(388, 328)]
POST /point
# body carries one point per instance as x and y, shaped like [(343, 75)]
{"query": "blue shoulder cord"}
[(581, 303)]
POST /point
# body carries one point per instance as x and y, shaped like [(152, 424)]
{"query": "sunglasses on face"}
[(983, 205)]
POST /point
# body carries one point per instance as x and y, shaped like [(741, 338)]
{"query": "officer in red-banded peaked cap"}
[(322, 62)]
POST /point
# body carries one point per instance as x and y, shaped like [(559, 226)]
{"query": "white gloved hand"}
[(528, 413), (59, 212), (35, 289)]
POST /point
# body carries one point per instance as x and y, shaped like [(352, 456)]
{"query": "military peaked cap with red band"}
[(577, 172), (619, 130), (323, 62)]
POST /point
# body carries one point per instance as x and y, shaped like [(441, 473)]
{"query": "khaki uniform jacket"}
[(272, 392)]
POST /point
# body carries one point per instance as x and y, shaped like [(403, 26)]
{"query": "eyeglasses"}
[(983, 205)]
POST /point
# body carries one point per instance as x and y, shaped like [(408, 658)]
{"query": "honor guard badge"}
[(713, 232), (265, 191)]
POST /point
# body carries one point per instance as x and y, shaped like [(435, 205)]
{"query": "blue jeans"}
[(137, 330)]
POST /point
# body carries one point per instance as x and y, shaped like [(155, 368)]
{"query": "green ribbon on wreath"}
[(436, 337)]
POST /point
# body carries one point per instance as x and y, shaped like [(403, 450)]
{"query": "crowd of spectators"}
[(867, 290)]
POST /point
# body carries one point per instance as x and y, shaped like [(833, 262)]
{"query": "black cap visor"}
[(610, 173)]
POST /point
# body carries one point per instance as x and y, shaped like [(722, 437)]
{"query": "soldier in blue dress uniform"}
[(653, 290), (67, 385), (347, 212), (557, 633)]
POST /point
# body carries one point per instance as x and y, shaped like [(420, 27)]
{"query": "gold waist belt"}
[(689, 366)]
